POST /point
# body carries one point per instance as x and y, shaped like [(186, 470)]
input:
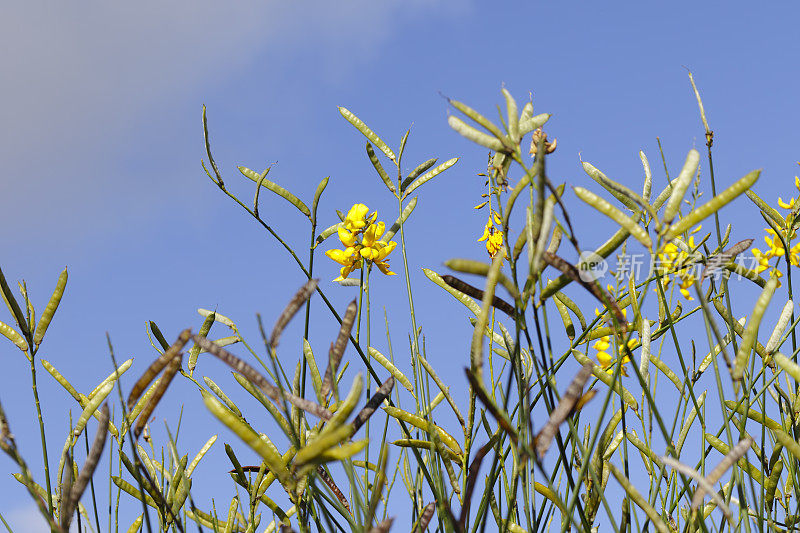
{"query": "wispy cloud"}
[(79, 77)]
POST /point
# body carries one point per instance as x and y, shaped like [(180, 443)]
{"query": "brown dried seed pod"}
[(562, 410), (253, 376), (291, 309), (153, 370), (323, 474), (377, 399), (425, 517), (88, 467), (172, 368), (497, 302), (337, 348)]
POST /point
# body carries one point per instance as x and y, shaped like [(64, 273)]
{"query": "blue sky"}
[(101, 146)]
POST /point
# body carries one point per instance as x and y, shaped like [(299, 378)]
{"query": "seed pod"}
[(273, 460), (316, 379), (479, 268), (324, 442), (407, 210), (569, 327), (379, 168), (780, 327), (513, 115), (456, 293), (172, 368), (528, 125), (393, 370), (425, 178), (317, 194), (424, 425), (327, 232), (205, 327), (637, 498), (772, 484), (474, 135), (9, 333), (681, 184), (737, 452), (12, 304), (751, 331), (347, 406), (766, 209), (277, 189), (337, 349), (712, 206), (562, 410), (477, 117), (383, 392), (466, 289), (294, 305), (425, 518), (628, 198), (368, 133), (422, 167), (627, 223), (218, 318), (648, 177)]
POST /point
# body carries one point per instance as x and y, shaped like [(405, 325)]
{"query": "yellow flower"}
[(784, 205), (674, 258), (493, 236), (370, 248), (606, 361)]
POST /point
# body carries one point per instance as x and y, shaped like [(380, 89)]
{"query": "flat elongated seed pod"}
[(291, 309), (323, 474), (736, 453), (570, 271), (88, 468), (377, 399), (425, 517), (172, 368), (719, 260), (153, 370), (337, 348), (252, 375), (703, 485), (497, 302), (562, 410)]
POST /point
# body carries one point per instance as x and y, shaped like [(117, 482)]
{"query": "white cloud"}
[(78, 76)]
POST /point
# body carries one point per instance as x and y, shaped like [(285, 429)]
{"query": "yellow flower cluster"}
[(360, 235), (775, 247), (492, 235), (606, 361), (677, 259)]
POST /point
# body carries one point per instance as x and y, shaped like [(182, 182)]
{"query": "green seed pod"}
[(640, 500), (780, 327), (445, 390), (195, 351), (648, 177), (221, 395), (368, 133), (628, 198), (422, 167), (474, 135), (12, 304), (572, 306), (9, 333), (327, 232), (712, 206), (324, 442), (393, 370), (751, 331), (407, 210), (681, 184), (627, 223), (688, 422), (316, 379), (424, 425), (379, 168), (346, 407), (772, 484), (111, 378), (479, 268), (569, 327), (513, 115), (527, 125), (458, 295), (273, 460), (207, 446), (425, 178), (789, 366), (137, 525), (766, 209), (317, 195), (217, 317), (477, 117), (277, 189)]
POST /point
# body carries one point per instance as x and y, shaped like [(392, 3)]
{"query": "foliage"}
[(562, 427)]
